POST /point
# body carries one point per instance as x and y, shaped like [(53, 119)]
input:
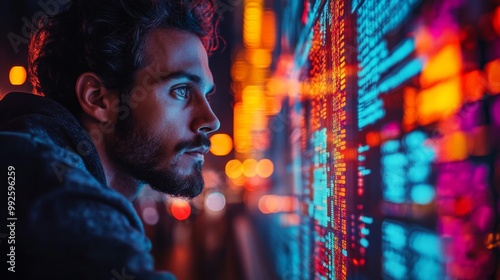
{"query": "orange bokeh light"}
[(454, 147), (439, 101), (373, 139), (252, 23), (242, 126), (17, 75), (269, 204), (474, 85), (260, 58), (222, 144), (250, 167), (445, 64), (410, 112), (492, 71), (180, 209), (269, 23), (234, 168), (265, 168), (423, 41)]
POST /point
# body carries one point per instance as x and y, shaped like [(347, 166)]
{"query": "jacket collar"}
[(47, 119)]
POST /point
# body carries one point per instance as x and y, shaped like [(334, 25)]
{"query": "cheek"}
[(172, 133), (176, 122), (164, 119), (168, 131), (142, 94), (146, 102)]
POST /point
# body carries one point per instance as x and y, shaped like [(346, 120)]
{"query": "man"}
[(126, 86)]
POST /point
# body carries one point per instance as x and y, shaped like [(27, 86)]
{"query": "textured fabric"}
[(70, 224)]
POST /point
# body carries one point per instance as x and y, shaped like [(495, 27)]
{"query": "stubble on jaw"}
[(138, 153)]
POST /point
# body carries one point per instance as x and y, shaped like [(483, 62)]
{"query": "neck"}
[(116, 177)]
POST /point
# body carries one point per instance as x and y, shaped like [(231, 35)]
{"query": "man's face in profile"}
[(164, 138)]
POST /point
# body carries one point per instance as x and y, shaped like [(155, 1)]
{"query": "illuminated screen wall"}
[(386, 144)]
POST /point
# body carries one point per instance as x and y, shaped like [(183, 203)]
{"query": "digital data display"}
[(386, 141)]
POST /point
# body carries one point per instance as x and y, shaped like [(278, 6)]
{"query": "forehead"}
[(171, 50)]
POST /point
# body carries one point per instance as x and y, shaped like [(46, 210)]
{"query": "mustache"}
[(199, 140)]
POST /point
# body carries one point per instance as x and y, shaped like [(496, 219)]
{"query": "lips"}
[(197, 152), (200, 150)]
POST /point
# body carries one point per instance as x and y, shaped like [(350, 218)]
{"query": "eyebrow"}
[(183, 74)]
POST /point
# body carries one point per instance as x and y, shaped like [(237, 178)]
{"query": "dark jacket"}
[(64, 221)]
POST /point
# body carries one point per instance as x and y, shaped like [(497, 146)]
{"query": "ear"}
[(93, 97)]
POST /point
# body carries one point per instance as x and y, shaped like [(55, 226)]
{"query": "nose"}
[(205, 119)]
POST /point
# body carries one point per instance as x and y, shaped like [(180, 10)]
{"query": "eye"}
[(181, 92)]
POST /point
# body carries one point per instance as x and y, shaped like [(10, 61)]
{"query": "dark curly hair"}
[(107, 37)]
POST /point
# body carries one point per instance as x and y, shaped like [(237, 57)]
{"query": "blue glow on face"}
[(422, 194)]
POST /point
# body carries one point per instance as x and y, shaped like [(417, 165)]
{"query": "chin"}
[(173, 183), (184, 188)]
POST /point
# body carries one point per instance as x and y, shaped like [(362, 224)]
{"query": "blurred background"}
[(359, 140)]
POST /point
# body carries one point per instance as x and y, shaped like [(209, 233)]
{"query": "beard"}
[(138, 152)]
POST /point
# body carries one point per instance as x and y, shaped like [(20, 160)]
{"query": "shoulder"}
[(53, 179), (38, 158), (68, 223), (45, 170)]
